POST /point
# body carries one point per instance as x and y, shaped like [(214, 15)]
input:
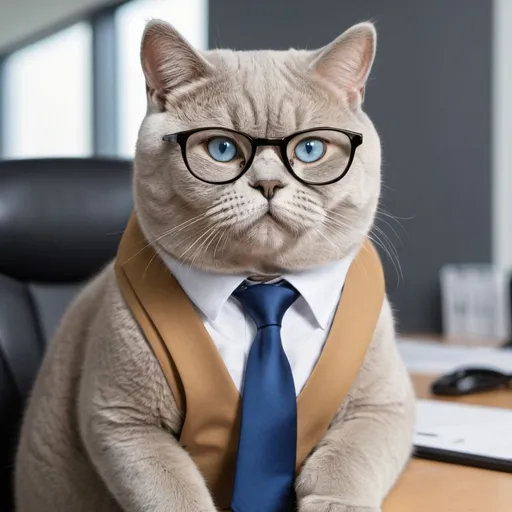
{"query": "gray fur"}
[(100, 431)]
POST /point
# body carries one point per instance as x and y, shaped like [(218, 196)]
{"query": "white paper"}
[(475, 430), (434, 358)]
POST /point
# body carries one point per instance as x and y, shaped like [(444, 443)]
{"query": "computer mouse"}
[(465, 381)]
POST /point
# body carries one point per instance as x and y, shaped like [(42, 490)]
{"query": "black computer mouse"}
[(465, 381)]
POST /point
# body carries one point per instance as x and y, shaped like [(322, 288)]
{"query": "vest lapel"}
[(199, 380), (344, 351), (188, 357)]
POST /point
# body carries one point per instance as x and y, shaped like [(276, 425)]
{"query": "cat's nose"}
[(267, 187)]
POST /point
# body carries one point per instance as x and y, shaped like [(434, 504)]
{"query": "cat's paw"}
[(321, 504)]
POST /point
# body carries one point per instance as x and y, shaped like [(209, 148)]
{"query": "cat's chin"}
[(269, 223), (268, 235)]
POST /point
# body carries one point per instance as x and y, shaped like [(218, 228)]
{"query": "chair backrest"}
[(60, 222)]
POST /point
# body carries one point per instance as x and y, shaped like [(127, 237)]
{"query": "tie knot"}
[(266, 303)]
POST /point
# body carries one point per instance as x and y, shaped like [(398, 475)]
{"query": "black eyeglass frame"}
[(356, 139)]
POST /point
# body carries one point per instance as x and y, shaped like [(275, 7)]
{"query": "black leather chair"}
[(60, 222)]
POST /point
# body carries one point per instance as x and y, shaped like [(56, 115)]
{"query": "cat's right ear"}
[(169, 61)]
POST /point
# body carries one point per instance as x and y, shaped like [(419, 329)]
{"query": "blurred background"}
[(71, 86)]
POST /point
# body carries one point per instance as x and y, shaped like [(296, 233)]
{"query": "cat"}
[(98, 431)]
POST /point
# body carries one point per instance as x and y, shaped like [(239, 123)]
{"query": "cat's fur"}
[(98, 433)]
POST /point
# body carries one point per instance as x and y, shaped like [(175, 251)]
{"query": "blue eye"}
[(310, 150), (222, 149)]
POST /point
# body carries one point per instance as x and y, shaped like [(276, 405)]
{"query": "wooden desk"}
[(427, 486)]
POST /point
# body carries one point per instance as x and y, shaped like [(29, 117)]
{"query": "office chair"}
[(60, 222)]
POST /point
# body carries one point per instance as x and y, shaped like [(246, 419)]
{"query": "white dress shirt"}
[(305, 325)]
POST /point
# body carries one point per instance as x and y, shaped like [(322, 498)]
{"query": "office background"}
[(70, 85)]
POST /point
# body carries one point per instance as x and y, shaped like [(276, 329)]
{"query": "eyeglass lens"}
[(217, 155)]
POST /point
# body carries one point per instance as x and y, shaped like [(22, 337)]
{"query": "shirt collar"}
[(319, 287), (209, 291)]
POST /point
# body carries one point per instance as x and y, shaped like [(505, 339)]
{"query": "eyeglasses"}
[(318, 156), (471, 380)]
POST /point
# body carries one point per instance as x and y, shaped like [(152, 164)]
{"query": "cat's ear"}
[(169, 61), (346, 62)]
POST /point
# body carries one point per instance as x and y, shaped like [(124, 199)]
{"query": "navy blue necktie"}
[(265, 464)]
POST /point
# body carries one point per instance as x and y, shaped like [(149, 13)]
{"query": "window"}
[(47, 99), (190, 18)]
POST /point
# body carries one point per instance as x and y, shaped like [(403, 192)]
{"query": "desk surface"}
[(427, 486)]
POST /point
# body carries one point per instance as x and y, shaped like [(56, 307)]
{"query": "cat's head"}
[(267, 221)]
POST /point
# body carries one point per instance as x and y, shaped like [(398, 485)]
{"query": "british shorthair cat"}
[(257, 164)]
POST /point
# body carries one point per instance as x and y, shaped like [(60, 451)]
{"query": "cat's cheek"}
[(151, 132)]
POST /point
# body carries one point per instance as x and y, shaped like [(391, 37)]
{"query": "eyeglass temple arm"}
[(170, 138)]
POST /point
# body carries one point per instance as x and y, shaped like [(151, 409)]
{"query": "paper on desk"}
[(483, 431), (433, 358)]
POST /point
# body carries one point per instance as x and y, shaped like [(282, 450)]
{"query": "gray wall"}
[(430, 98)]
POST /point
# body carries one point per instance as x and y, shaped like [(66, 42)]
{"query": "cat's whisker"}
[(184, 241), (184, 226), (198, 240), (339, 223), (203, 247), (148, 265), (180, 227), (222, 234), (326, 238), (392, 248), (387, 239), (360, 263), (339, 215), (226, 240), (216, 236), (394, 259), (169, 232), (392, 228), (343, 218), (192, 236), (334, 226), (381, 211)]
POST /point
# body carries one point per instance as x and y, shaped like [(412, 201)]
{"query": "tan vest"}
[(201, 384)]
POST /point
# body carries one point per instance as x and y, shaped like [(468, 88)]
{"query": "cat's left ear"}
[(346, 62)]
